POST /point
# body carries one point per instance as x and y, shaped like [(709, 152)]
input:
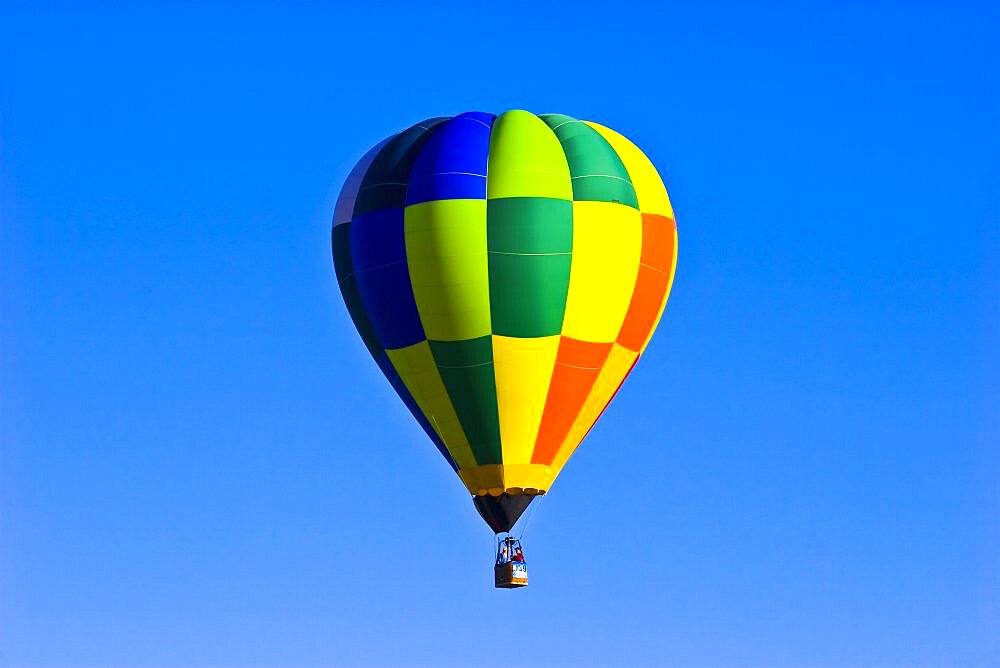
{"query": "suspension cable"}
[(527, 519)]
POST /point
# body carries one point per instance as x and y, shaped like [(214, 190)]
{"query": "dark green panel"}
[(463, 353), (597, 172), (341, 238), (528, 294), (352, 298), (529, 225), (466, 367), (530, 242)]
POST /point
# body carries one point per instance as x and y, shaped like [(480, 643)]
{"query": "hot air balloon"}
[(505, 273)]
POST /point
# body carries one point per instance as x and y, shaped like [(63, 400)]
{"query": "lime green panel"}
[(598, 174), (466, 367), (533, 225), (446, 254), (526, 159)]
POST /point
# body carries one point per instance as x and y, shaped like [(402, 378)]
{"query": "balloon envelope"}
[(506, 273)]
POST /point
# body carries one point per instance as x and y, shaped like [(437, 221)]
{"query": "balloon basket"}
[(510, 576), (510, 571)]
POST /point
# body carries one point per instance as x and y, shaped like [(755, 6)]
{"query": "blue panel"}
[(349, 287), (397, 383), (452, 163), (446, 186), (377, 239), (388, 300), (378, 255)]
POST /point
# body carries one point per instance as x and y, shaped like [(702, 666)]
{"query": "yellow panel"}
[(513, 478), (447, 261), (649, 186), (666, 295), (615, 369), (523, 369), (607, 243), (415, 366)]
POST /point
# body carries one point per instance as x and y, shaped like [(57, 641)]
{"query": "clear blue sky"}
[(201, 466)]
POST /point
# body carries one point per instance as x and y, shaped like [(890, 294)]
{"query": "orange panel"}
[(650, 291), (673, 271), (658, 241), (585, 354), (578, 364), (653, 281)]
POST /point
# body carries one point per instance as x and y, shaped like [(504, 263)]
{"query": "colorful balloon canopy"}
[(505, 272)]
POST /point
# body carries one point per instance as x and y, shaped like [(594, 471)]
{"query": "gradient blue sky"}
[(202, 467)]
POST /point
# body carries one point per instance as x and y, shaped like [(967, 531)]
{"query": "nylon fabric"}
[(505, 272)]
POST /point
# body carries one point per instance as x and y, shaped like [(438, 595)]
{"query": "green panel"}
[(531, 245), (598, 174), (446, 255), (526, 159), (528, 293), (533, 225), (466, 368), (555, 120)]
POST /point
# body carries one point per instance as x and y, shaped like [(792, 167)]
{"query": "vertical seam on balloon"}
[(610, 155), (496, 390), (573, 237), (642, 233), (493, 334)]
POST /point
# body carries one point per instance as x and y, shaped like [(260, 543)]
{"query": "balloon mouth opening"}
[(502, 511)]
